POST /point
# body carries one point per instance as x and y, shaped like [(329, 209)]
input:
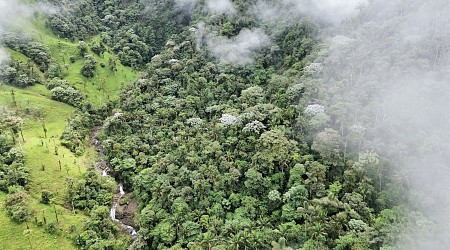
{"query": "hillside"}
[(49, 166), (247, 124)]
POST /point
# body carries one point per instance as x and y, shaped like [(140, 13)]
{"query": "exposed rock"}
[(127, 209)]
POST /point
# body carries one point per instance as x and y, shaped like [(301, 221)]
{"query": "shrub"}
[(17, 204), (46, 196)]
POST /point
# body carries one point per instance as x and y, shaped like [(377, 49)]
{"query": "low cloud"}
[(329, 11), (241, 49), (14, 14), (221, 6), (238, 50), (186, 5), (388, 71), (3, 56), (288, 12)]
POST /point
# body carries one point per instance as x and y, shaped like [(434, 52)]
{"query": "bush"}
[(51, 228), (69, 95), (89, 65), (63, 91), (54, 70), (17, 204), (46, 196)]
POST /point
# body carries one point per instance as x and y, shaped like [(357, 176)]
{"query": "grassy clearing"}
[(50, 177), (104, 85), (51, 165), (16, 236)]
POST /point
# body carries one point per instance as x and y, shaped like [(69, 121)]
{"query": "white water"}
[(122, 193), (104, 167), (112, 213)]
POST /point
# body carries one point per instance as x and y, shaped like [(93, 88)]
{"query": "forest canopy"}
[(242, 128)]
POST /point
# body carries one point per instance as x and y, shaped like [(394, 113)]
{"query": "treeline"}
[(41, 68), (134, 30)]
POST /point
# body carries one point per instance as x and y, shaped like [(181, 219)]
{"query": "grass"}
[(50, 164), (16, 236), (100, 88), (51, 178)]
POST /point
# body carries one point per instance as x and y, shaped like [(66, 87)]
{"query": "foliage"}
[(63, 91), (46, 196), (18, 74), (39, 53), (99, 232), (17, 204), (91, 191), (12, 159), (89, 65), (220, 156)]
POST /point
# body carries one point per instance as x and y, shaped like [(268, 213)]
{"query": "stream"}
[(103, 166)]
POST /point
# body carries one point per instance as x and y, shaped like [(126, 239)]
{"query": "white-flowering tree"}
[(274, 195), (368, 164), (253, 127), (194, 122), (316, 116), (313, 70), (228, 120)]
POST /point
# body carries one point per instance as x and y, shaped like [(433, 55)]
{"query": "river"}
[(103, 166)]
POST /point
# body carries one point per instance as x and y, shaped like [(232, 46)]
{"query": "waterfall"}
[(104, 167), (122, 193)]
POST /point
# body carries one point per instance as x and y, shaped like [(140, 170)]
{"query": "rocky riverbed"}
[(124, 206)]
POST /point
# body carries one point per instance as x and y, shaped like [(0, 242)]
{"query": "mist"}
[(212, 6), (288, 12), (14, 15), (388, 70), (3, 56), (239, 50), (242, 49), (221, 6)]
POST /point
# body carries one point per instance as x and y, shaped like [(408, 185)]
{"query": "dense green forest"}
[(182, 124)]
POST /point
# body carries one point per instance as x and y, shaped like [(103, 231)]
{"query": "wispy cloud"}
[(238, 50)]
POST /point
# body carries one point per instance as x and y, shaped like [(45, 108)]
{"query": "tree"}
[(17, 204), (89, 66), (10, 123), (280, 245), (328, 143)]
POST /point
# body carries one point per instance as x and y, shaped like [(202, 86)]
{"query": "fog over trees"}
[(245, 124)]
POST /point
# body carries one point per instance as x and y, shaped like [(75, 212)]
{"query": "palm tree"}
[(207, 240), (281, 245)]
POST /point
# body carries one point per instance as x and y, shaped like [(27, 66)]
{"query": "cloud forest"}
[(225, 124)]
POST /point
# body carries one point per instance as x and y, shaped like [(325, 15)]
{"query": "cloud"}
[(330, 11), (3, 56), (287, 12), (186, 5), (238, 50), (241, 49), (221, 6), (12, 11), (14, 14), (212, 6), (389, 71)]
